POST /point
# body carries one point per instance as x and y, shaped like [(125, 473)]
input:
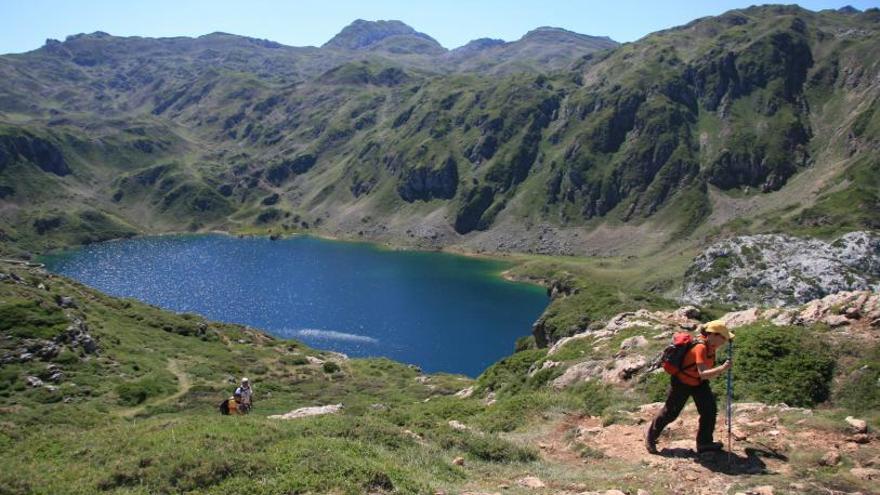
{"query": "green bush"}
[(860, 390), (134, 393), (781, 364), (330, 367), (525, 343), (29, 319), (484, 447), (294, 360), (655, 386), (511, 373), (595, 396)]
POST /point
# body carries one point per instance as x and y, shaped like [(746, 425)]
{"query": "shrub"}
[(487, 447), (525, 343), (860, 390), (655, 386), (294, 360), (134, 393), (330, 367), (511, 373), (781, 364), (29, 319), (595, 396)]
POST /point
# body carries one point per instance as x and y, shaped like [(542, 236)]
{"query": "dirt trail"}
[(184, 383), (760, 456)]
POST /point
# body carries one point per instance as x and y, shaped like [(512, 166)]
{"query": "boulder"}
[(48, 351), (740, 318), (304, 412), (578, 373), (857, 425), (624, 368), (835, 321), (66, 302), (633, 343), (457, 425), (77, 335), (465, 393), (686, 313), (33, 382), (867, 474), (534, 369), (530, 482), (831, 458)]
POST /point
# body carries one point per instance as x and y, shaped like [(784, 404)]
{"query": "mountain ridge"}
[(662, 138)]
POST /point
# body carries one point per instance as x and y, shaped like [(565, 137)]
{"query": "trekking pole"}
[(729, 403)]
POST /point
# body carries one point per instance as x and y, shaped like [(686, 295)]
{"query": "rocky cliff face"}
[(781, 270), (33, 149)]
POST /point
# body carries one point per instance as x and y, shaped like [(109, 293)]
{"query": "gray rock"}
[(77, 335), (633, 343), (48, 351), (782, 270), (66, 302), (578, 373), (33, 381)]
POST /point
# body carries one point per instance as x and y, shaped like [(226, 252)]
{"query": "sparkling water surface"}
[(439, 311)]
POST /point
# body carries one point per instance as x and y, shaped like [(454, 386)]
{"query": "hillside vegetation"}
[(106, 395)]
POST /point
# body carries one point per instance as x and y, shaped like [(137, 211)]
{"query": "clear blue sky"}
[(25, 24)]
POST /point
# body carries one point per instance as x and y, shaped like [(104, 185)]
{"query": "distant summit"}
[(548, 34), (478, 45), (390, 36)]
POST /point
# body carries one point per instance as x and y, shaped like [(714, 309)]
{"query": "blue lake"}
[(439, 311)]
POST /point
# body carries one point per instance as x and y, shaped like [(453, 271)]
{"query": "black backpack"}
[(224, 407)]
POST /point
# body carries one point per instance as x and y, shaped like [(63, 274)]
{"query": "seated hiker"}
[(234, 404), (692, 380), (247, 395)]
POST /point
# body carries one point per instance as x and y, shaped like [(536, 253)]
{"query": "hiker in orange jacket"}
[(698, 367)]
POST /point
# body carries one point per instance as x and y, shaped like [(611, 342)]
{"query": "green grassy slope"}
[(137, 414)]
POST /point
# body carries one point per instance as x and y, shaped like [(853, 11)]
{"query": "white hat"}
[(243, 380)]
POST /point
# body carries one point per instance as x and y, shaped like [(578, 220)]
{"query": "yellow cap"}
[(718, 326)]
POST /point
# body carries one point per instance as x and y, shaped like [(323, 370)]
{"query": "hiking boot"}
[(710, 447), (650, 440)]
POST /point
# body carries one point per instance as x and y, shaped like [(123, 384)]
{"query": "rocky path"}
[(770, 446)]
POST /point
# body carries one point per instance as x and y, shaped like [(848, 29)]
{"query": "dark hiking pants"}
[(675, 401)]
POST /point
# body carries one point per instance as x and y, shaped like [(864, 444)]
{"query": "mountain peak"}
[(557, 34), (363, 35), (478, 45)]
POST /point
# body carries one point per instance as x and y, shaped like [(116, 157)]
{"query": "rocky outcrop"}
[(425, 183), (777, 270), (36, 150), (77, 336), (277, 174), (836, 310), (305, 412)]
